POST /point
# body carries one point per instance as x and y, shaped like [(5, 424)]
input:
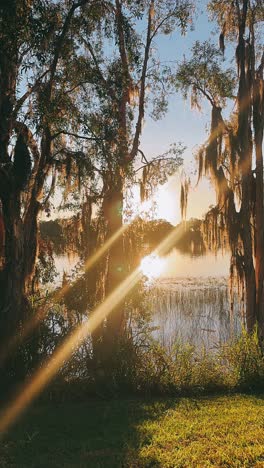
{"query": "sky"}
[(181, 124)]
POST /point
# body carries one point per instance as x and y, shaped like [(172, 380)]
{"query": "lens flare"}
[(48, 370), (152, 266)]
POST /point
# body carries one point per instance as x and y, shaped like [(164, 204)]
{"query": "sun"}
[(152, 266)]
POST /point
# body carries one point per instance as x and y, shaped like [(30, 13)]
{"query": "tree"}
[(33, 38), (120, 75), (228, 155), (50, 48)]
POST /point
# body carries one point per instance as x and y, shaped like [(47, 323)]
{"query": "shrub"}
[(244, 361)]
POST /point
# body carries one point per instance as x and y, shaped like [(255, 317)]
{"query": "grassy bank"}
[(223, 431)]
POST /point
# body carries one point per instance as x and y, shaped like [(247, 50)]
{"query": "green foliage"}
[(245, 361), (157, 171), (142, 366), (202, 76), (225, 14), (151, 369), (180, 371), (45, 271), (238, 364)]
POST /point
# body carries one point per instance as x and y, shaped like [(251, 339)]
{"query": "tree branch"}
[(161, 24), (143, 156), (60, 41), (32, 89), (79, 154), (206, 95), (155, 160), (99, 71), (141, 105), (75, 135), (121, 41)]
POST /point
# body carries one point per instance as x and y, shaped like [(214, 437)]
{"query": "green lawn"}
[(225, 431)]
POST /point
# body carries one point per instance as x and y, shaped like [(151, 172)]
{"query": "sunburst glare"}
[(152, 266)]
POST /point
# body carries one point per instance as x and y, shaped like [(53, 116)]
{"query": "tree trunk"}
[(8, 73), (13, 302), (258, 121), (116, 268), (12, 294), (116, 260), (246, 147), (99, 273), (30, 243), (15, 309), (250, 281)]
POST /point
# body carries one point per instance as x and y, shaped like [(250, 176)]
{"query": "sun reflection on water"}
[(152, 266)]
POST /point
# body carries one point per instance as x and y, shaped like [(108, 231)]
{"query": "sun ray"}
[(43, 376), (28, 327)]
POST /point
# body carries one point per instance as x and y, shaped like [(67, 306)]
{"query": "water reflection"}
[(190, 300), (194, 310), (209, 265)]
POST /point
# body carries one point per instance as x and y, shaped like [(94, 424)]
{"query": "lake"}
[(190, 300)]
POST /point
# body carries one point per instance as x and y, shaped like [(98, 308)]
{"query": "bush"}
[(141, 365), (244, 362), (237, 365)]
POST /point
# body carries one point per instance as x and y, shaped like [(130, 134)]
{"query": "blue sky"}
[(181, 123), (180, 118)]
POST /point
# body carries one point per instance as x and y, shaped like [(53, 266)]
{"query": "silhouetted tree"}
[(33, 38), (228, 155)]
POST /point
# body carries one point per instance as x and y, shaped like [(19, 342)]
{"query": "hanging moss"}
[(143, 191), (222, 42), (185, 186), (200, 161)]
